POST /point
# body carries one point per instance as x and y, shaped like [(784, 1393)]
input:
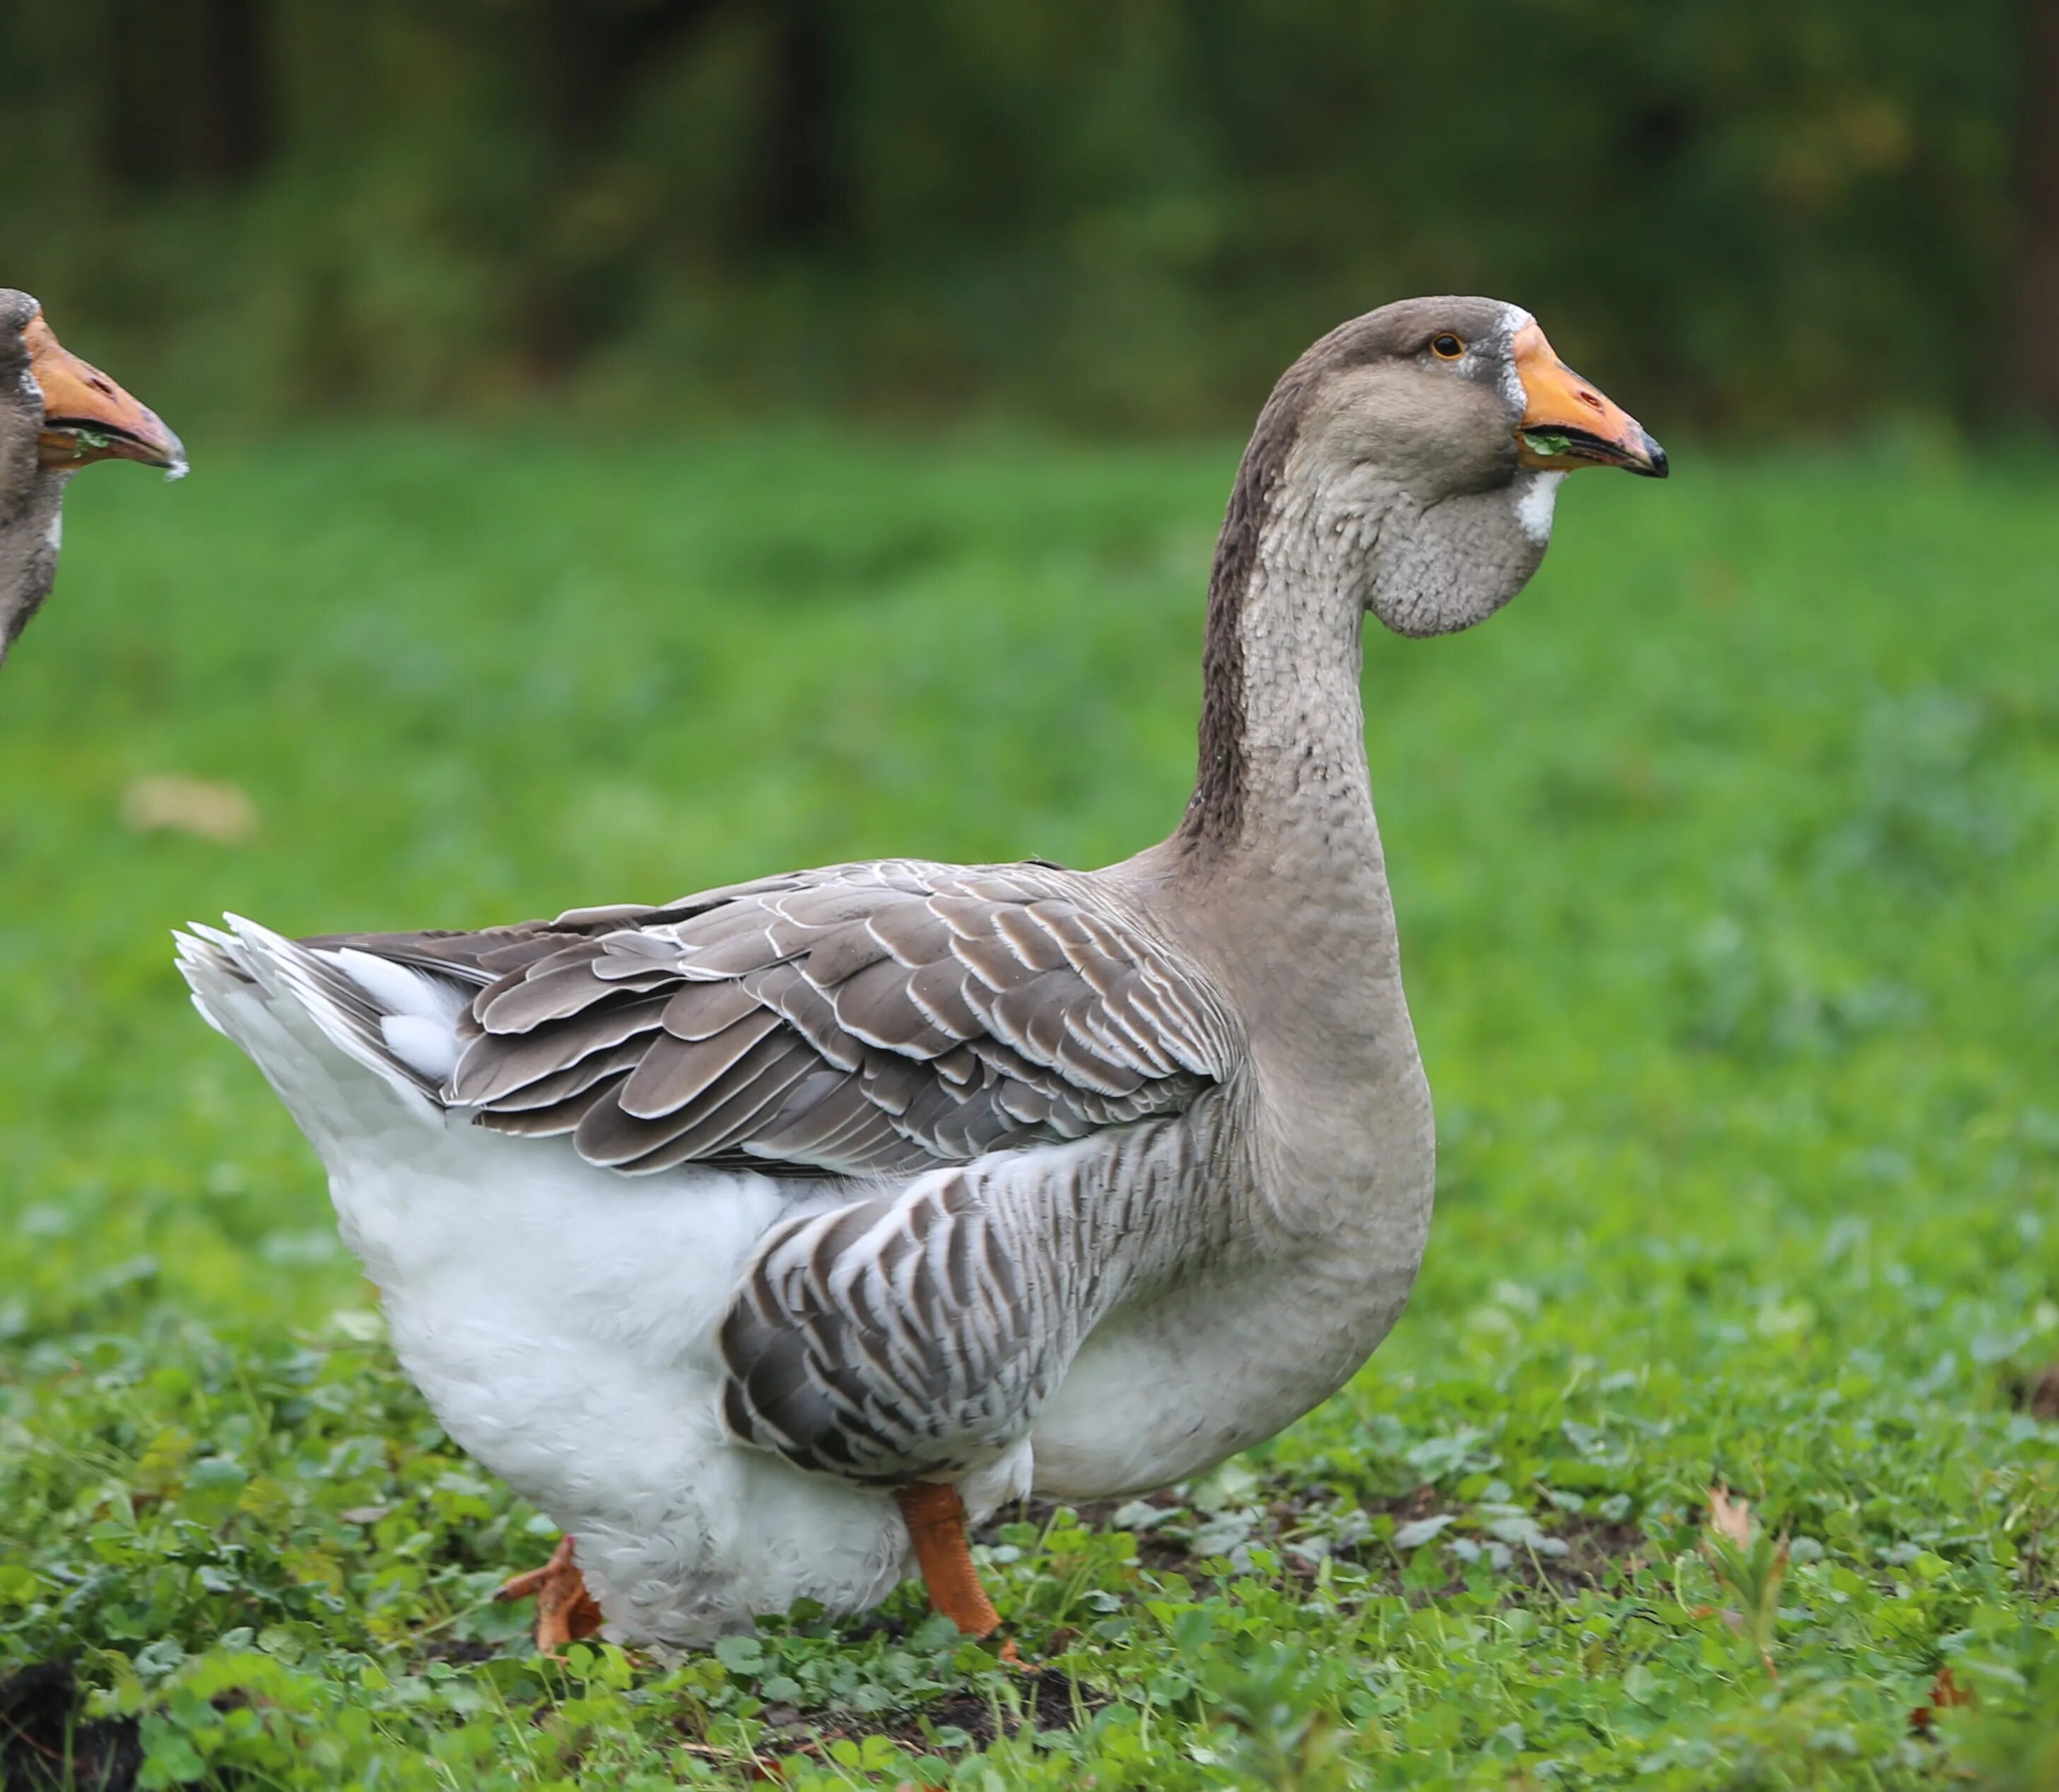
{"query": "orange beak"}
[(86, 416), (1568, 425)]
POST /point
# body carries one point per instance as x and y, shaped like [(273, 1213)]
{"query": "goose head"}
[(1430, 437), (57, 415)]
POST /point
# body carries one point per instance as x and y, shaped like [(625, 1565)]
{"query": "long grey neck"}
[(1282, 782), (30, 496), (1276, 876)]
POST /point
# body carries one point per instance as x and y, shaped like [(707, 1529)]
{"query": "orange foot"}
[(935, 1517), (565, 1610)]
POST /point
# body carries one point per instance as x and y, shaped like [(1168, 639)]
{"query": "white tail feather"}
[(398, 1025)]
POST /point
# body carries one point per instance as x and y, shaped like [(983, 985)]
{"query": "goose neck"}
[(1282, 761), (30, 521)]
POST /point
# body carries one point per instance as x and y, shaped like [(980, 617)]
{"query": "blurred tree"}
[(190, 91), (591, 56), (2037, 339), (1754, 215), (806, 202)]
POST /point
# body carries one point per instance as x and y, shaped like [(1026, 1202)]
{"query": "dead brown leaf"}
[(173, 804), (2043, 1402), (1945, 1693), (1729, 1517), (1750, 1563)]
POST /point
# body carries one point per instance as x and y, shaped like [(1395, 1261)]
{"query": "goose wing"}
[(880, 1018)]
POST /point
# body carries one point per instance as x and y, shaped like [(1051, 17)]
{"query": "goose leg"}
[(565, 1610), (935, 1517)]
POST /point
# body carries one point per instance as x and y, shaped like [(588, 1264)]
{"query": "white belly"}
[(559, 1321)]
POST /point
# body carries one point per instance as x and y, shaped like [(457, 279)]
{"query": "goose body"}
[(57, 415), (728, 1231)]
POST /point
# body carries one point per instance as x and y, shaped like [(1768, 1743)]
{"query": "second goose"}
[(57, 415)]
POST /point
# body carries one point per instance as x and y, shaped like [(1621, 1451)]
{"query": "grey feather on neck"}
[(1215, 811), (29, 517), (30, 494)]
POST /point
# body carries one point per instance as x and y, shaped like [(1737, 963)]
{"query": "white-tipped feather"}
[(398, 988), (290, 973), (417, 1013)]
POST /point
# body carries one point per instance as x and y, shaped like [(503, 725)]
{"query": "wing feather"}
[(676, 1073), (879, 1018), (493, 1067)]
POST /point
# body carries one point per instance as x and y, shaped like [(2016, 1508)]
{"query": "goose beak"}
[(1568, 425), (86, 416)]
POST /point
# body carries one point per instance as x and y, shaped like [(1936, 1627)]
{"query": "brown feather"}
[(560, 1117), (842, 953), (495, 1065), (701, 1010), (554, 996), (874, 1006), (675, 1073)]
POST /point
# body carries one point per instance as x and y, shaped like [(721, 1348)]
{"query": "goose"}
[(57, 415), (767, 1238)]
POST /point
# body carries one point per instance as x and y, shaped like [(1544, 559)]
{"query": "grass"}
[(1725, 863)]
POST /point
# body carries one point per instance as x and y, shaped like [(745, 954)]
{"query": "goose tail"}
[(296, 1008)]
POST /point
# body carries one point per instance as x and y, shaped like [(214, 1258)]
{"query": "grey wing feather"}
[(879, 1018)]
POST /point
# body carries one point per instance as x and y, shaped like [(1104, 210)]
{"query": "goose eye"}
[(1447, 346)]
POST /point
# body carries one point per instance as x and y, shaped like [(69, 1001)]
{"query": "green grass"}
[(1726, 862)]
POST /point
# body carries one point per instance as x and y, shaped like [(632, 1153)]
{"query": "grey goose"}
[(767, 1237)]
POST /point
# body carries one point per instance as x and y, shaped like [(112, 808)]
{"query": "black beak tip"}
[(1659, 466)]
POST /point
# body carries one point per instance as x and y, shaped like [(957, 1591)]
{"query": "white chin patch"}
[(1536, 497)]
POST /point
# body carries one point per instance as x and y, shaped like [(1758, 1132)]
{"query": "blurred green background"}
[(642, 445), (1746, 214)]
